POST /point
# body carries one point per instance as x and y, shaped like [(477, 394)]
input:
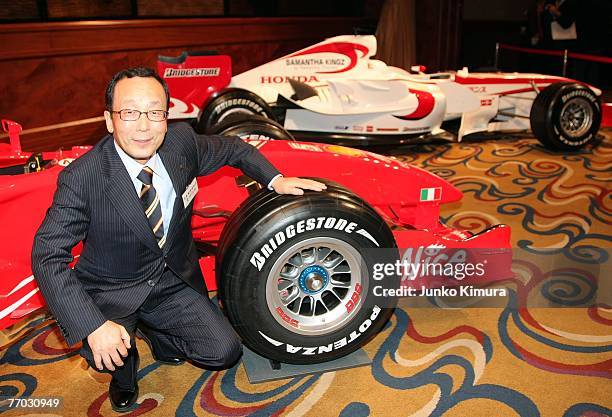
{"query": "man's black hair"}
[(131, 73)]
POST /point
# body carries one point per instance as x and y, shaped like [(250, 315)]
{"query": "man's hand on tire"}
[(296, 186), (108, 344)]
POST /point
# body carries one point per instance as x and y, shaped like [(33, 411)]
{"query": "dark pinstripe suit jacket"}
[(95, 202)]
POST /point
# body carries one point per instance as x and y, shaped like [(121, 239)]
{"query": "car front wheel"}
[(294, 274), (565, 116), (230, 102)]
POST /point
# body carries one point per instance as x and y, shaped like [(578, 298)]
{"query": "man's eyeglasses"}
[(129, 115)]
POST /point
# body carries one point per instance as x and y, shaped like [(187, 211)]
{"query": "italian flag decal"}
[(431, 194)]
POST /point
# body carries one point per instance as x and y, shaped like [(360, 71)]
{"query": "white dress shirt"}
[(161, 182)]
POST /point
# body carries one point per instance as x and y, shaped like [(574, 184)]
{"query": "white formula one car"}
[(335, 91)]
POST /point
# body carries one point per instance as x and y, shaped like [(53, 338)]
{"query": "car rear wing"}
[(192, 78)]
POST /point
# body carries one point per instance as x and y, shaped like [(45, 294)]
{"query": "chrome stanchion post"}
[(564, 62), (496, 61)]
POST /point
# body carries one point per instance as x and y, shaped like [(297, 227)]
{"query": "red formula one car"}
[(293, 274)]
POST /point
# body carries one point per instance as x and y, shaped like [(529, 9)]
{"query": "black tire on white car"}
[(294, 274), (229, 102), (565, 116), (250, 126)]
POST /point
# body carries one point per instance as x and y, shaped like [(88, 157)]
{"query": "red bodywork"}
[(393, 188), (606, 117), (216, 70)]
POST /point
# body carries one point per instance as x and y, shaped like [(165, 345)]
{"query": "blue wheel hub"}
[(313, 279)]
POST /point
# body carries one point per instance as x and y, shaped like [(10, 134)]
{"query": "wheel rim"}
[(576, 117), (309, 287)]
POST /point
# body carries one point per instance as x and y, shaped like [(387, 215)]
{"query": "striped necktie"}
[(152, 207)]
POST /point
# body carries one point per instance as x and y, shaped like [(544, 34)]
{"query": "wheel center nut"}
[(313, 279), (314, 282)]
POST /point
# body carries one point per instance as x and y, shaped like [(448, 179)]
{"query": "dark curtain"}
[(396, 33)]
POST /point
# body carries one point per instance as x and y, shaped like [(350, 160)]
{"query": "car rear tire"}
[(250, 126), (294, 274), (230, 102), (565, 116)]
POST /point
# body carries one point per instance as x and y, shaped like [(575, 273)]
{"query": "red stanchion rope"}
[(588, 57), (575, 55)]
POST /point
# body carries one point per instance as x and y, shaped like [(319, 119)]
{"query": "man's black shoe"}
[(168, 360), (122, 399)]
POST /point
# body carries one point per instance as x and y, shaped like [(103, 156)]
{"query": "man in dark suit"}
[(129, 200)]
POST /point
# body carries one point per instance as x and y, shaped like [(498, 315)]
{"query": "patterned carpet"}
[(427, 361)]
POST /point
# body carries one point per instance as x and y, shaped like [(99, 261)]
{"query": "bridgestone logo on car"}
[(338, 344), (583, 93), (238, 102), (259, 258), (191, 72)]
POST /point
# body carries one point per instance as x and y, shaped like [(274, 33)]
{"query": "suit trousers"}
[(183, 323)]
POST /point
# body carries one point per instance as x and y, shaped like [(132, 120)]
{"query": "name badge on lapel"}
[(190, 192)]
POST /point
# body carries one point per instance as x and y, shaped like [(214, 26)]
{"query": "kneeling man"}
[(129, 201)]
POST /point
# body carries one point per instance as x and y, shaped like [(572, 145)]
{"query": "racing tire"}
[(250, 126), (565, 116), (228, 102), (293, 274)]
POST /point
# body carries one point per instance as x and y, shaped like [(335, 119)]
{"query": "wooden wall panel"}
[(57, 72), (180, 8), (54, 39), (61, 9), (249, 8), (19, 10)]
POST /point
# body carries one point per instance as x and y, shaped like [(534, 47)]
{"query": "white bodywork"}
[(360, 95)]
